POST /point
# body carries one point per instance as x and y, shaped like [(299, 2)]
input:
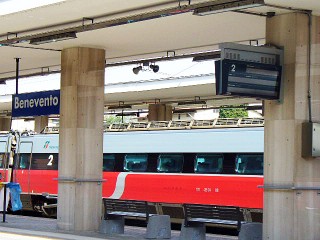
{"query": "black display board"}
[(248, 79)]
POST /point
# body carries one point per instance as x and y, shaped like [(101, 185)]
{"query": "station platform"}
[(37, 228)]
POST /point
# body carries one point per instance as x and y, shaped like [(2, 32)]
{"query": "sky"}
[(12, 6)]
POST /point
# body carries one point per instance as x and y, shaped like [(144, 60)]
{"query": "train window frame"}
[(105, 168), (161, 170), (219, 158), (252, 170), (135, 156)]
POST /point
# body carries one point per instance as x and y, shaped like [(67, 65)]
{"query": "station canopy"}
[(130, 31)]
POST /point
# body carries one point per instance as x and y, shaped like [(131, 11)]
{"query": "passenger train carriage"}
[(210, 166)]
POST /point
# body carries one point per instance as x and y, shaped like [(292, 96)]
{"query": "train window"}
[(249, 164), (109, 161), (24, 160), (44, 161), (208, 163), (2, 159), (170, 163), (135, 162)]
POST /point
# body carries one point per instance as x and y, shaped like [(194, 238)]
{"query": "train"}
[(165, 163)]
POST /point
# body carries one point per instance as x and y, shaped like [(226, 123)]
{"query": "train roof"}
[(215, 140), (197, 136)]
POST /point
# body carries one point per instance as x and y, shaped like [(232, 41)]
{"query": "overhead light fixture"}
[(155, 68), (192, 103), (230, 5), (207, 56), (146, 66), (126, 114), (53, 38), (120, 106), (187, 110), (196, 101), (136, 70)]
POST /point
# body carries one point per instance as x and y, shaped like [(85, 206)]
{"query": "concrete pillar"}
[(291, 207), (160, 112), (40, 123), (5, 123), (81, 136)]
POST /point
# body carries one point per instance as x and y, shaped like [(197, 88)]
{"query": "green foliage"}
[(233, 112), (109, 119)]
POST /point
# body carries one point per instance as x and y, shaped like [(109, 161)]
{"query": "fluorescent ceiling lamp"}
[(53, 38), (119, 107), (194, 102), (184, 110), (228, 6), (126, 114), (13, 6), (207, 57)]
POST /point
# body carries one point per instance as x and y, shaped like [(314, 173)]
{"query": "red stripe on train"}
[(229, 190)]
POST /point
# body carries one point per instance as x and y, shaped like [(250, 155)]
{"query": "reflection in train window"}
[(24, 160), (249, 164), (2, 159), (109, 161), (135, 162), (208, 163), (44, 161), (170, 163)]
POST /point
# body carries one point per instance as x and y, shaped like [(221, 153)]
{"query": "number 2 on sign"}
[(50, 158), (233, 68)]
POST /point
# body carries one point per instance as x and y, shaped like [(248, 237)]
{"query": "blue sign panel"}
[(36, 104)]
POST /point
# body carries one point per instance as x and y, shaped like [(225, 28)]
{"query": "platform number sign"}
[(50, 158), (233, 68)]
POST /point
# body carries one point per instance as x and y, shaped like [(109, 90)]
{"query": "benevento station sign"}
[(36, 104)]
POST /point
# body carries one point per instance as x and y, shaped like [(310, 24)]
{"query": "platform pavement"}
[(32, 228)]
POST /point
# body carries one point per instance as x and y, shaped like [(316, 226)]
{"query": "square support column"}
[(292, 194), (40, 122), (5, 123), (160, 112), (81, 139)]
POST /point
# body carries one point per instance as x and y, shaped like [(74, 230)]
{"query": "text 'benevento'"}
[(36, 102)]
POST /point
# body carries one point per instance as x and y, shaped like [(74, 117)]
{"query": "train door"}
[(4, 158), (22, 171)]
